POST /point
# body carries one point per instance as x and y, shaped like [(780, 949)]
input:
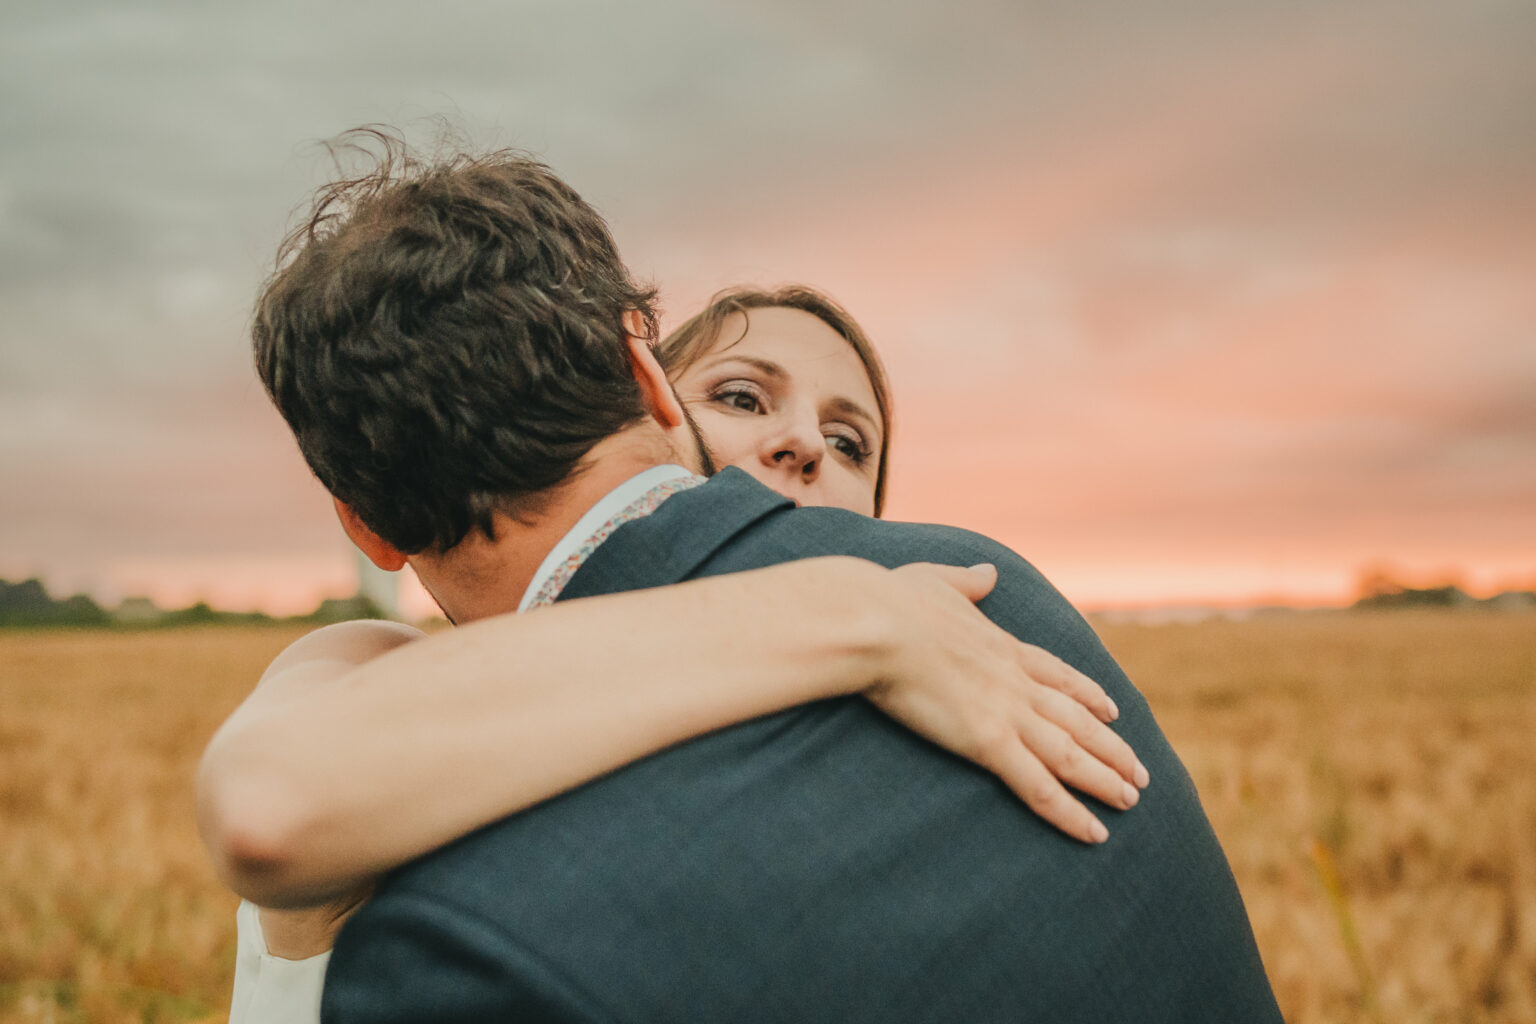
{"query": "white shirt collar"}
[(608, 506)]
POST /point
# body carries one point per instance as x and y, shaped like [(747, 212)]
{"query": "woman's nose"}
[(799, 448)]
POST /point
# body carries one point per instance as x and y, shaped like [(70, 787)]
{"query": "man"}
[(462, 357)]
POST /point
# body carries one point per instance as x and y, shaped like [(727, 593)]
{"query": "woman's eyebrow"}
[(764, 366), (841, 406)]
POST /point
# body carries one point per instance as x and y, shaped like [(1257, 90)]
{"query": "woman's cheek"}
[(723, 437), (851, 491)]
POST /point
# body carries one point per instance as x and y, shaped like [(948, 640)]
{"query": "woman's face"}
[(791, 404)]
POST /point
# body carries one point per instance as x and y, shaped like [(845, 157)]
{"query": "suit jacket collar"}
[(669, 544)]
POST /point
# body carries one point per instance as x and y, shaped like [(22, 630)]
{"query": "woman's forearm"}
[(334, 771)]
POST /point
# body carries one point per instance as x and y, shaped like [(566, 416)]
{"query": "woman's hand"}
[(1014, 709)]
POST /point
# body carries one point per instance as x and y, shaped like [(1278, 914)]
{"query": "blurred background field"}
[(1372, 776)]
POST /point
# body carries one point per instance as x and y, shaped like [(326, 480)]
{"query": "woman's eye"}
[(745, 399), (848, 446)]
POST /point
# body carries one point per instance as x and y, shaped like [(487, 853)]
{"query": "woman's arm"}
[(364, 745)]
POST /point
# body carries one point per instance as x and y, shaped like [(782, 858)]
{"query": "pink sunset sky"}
[(1217, 303)]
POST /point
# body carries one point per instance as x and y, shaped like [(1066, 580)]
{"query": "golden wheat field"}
[(1372, 776)]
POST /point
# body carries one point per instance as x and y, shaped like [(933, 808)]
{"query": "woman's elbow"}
[(252, 828)]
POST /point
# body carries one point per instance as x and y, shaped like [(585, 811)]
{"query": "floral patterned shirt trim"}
[(641, 507)]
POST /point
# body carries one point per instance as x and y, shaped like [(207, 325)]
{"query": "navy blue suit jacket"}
[(821, 864)]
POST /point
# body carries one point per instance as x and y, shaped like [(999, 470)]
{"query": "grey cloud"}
[(150, 153)]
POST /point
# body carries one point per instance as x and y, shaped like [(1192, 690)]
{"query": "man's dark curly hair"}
[(445, 338)]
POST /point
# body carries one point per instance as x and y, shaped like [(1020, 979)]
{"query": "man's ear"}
[(655, 387), (379, 551)]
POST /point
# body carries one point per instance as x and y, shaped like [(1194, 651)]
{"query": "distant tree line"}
[(29, 605), (1380, 590)]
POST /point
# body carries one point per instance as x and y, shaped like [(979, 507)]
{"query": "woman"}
[(730, 359), (344, 763)]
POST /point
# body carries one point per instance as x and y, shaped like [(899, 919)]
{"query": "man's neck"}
[(481, 577)]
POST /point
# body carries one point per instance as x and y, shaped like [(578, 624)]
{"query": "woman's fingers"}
[(1032, 782), (1076, 765), (1083, 713), (1020, 712), (1044, 667), (974, 582), (978, 581), (1091, 735)]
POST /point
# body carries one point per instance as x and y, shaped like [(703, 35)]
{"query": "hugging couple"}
[(711, 741)]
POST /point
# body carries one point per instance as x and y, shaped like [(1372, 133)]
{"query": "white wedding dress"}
[(269, 989)]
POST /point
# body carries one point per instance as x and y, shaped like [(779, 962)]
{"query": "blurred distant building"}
[(344, 609), (137, 611), (378, 588)]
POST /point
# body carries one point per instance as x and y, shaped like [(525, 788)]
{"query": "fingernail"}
[(1141, 776), (1130, 794), (1097, 832), (985, 565), (1114, 709)]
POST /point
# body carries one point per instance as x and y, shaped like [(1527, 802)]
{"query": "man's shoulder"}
[(813, 527), (733, 518), (766, 850)]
